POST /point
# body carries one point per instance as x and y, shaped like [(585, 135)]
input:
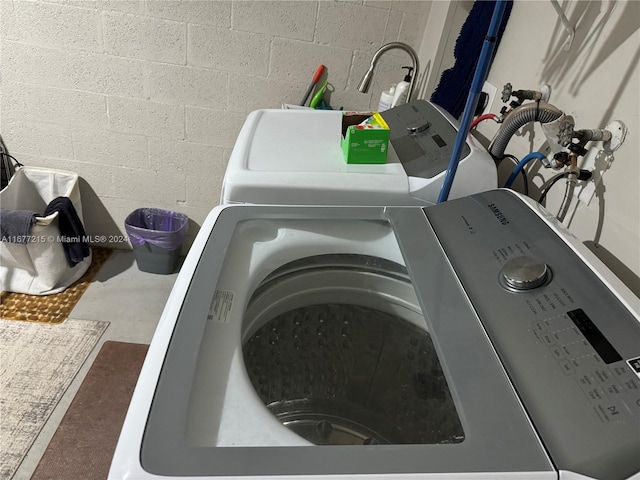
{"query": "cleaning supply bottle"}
[(386, 99), (402, 88)]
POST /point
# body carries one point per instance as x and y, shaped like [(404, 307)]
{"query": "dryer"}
[(293, 157), (471, 339)]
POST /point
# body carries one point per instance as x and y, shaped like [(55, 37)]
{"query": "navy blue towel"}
[(15, 225), (455, 83), (72, 231)]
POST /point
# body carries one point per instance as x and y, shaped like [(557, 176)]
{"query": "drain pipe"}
[(472, 100), (518, 117)]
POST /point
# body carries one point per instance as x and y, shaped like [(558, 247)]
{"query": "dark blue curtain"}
[(455, 83)]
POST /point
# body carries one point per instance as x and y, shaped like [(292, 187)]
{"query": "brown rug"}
[(51, 308), (83, 445)]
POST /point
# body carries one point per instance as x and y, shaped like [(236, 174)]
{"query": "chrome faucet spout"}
[(366, 80)]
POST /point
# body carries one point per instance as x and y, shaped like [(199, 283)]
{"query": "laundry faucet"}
[(366, 80)]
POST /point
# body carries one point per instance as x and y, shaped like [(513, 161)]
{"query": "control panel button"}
[(524, 273)]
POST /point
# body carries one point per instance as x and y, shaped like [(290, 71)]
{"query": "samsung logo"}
[(498, 214)]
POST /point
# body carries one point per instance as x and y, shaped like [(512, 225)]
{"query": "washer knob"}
[(418, 128), (524, 273)]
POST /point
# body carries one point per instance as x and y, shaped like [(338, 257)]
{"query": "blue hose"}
[(520, 166), (472, 100)]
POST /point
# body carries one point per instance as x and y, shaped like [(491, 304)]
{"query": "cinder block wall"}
[(144, 99)]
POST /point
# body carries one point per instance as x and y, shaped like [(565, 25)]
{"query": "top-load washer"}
[(473, 339), (293, 157)]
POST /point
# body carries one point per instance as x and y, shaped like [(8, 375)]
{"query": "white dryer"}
[(468, 340), (293, 157)]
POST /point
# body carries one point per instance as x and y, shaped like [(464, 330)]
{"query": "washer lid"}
[(293, 157), (302, 141), (498, 437)]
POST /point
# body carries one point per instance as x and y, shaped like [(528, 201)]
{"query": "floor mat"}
[(83, 445), (54, 308), (39, 362)]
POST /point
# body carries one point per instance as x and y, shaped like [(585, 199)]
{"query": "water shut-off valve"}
[(612, 137), (521, 95), (575, 143)]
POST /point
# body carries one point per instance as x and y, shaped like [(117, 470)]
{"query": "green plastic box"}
[(364, 143)]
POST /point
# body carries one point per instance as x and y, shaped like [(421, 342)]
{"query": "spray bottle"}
[(386, 99)]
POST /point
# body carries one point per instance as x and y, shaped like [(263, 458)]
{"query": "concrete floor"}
[(132, 302)]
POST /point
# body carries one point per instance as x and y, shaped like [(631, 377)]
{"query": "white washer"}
[(293, 157), (467, 340)]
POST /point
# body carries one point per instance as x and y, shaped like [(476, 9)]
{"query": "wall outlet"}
[(491, 91)]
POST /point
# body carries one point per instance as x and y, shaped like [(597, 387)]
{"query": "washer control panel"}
[(585, 355), (422, 137), (569, 345)]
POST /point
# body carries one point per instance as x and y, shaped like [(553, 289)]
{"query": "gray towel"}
[(15, 225), (72, 231)]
